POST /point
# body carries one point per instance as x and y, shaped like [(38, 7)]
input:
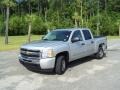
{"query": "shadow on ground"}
[(74, 63), (79, 61)]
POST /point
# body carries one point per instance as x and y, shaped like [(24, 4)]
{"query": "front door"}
[(78, 47)]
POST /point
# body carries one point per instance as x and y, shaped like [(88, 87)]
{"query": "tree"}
[(57, 6), (30, 19), (18, 6), (76, 17), (118, 23), (60, 13), (44, 4), (17, 25), (98, 16), (7, 4), (48, 26)]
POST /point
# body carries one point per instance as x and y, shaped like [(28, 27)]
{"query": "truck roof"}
[(71, 29)]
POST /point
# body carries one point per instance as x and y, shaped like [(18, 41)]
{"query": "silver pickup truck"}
[(61, 46)]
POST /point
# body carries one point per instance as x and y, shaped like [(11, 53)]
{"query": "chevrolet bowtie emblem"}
[(28, 53)]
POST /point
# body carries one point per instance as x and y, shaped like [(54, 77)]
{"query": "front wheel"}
[(60, 66), (100, 54)]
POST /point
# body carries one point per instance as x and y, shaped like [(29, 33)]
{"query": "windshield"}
[(57, 36)]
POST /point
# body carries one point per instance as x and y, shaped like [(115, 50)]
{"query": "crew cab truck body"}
[(61, 46)]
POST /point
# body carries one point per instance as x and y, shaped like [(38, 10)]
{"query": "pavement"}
[(84, 74)]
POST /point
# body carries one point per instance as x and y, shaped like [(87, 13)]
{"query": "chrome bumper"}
[(47, 63)]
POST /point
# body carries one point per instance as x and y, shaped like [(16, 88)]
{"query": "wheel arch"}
[(64, 53), (100, 45)]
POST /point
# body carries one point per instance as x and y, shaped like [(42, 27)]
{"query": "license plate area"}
[(26, 60)]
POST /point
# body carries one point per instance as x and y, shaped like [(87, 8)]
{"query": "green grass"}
[(113, 37), (15, 42)]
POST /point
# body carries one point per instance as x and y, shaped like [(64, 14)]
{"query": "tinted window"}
[(87, 34), (58, 36), (77, 34)]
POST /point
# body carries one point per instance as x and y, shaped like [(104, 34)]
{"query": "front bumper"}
[(47, 63)]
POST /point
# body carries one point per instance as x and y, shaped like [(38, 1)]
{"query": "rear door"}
[(89, 42)]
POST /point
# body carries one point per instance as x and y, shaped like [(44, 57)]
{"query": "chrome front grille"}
[(30, 54)]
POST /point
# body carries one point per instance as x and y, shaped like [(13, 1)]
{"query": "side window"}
[(86, 34), (77, 34)]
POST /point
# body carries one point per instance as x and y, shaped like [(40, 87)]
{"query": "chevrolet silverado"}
[(61, 46)]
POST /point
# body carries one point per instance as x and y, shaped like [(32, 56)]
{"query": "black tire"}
[(60, 66), (100, 54)]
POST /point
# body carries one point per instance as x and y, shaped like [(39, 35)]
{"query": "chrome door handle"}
[(92, 42)]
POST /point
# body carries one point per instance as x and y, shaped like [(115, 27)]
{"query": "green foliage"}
[(51, 14), (17, 25), (37, 26), (1, 25), (30, 18), (7, 3)]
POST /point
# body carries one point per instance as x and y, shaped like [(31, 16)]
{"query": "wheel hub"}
[(101, 53)]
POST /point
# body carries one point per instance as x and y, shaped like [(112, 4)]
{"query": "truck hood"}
[(43, 44)]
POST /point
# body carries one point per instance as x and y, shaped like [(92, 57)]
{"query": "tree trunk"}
[(86, 20), (58, 16), (98, 18), (45, 14), (18, 8), (2, 10), (29, 32), (29, 8), (48, 30), (106, 6), (76, 25), (7, 25), (98, 31), (61, 5), (82, 13), (38, 7), (119, 30)]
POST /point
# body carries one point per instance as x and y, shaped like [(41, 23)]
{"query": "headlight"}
[(47, 53)]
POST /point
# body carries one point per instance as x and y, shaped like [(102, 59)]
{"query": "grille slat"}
[(30, 54), (29, 50)]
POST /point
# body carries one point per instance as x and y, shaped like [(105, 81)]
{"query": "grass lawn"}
[(15, 42), (113, 37)]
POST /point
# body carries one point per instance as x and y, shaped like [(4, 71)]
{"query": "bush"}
[(38, 26), (107, 25), (17, 25)]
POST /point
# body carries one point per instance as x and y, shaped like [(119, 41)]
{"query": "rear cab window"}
[(87, 34)]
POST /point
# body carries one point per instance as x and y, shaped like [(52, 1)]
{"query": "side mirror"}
[(75, 39)]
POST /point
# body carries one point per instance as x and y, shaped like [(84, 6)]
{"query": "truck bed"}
[(98, 36)]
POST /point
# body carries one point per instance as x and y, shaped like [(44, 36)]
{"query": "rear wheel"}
[(100, 54), (60, 66)]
